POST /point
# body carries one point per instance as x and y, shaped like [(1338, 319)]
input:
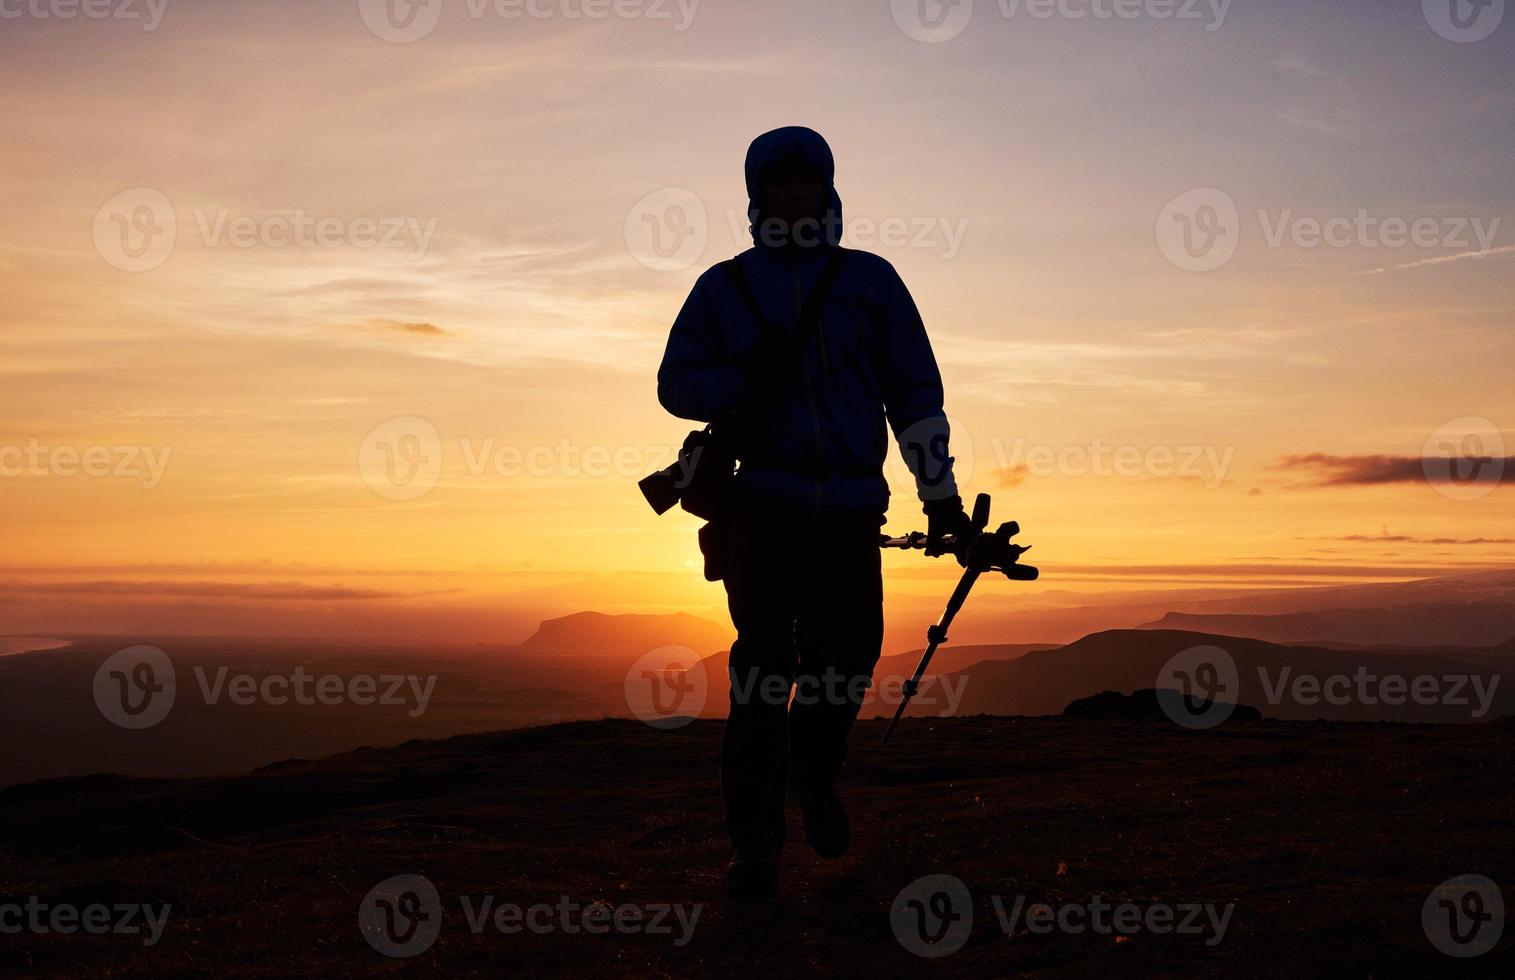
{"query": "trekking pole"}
[(980, 553), (937, 635)]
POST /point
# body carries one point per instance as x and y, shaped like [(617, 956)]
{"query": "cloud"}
[(1238, 571), (1010, 477), (1326, 470), (145, 571), (1332, 471), (1442, 260), (424, 329), (1316, 124), (1291, 62), (1387, 538), (269, 591)]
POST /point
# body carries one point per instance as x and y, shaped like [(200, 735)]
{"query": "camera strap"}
[(810, 313)]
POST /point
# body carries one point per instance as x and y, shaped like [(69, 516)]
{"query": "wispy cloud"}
[(1387, 538), (269, 591), (1315, 124), (1442, 260), (1010, 477), (1327, 470), (1291, 62), (424, 329)]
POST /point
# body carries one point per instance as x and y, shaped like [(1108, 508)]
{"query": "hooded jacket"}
[(821, 442)]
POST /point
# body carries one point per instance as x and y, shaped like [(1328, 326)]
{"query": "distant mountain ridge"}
[(888, 675), (1424, 624), (1044, 682), (594, 634), (1487, 597)]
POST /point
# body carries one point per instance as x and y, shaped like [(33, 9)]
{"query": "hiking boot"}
[(753, 873), (826, 827)]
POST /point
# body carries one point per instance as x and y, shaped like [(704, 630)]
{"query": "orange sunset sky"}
[(488, 276)]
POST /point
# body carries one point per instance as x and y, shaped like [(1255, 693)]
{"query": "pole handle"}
[(981, 512)]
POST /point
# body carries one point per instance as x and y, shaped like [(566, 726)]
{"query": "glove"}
[(945, 517)]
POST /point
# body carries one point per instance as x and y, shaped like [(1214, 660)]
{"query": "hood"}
[(773, 148)]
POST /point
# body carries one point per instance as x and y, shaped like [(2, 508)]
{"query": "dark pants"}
[(806, 596)]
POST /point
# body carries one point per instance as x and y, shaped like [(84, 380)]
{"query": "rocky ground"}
[(1292, 849)]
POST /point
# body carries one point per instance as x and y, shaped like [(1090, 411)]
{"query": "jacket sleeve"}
[(696, 380), (912, 388)]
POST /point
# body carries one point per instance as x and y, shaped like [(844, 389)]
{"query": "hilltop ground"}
[(1327, 837)]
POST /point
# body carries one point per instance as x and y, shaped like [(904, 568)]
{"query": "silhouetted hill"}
[(593, 634), (1428, 624), (1491, 586), (951, 657), (1034, 612), (1324, 840), (1269, 677), (55, 728), (888, 675), (1147, 705)]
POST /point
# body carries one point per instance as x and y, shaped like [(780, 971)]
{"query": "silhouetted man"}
[(811, 349)]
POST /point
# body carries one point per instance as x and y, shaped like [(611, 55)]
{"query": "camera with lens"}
[(699, 480)]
